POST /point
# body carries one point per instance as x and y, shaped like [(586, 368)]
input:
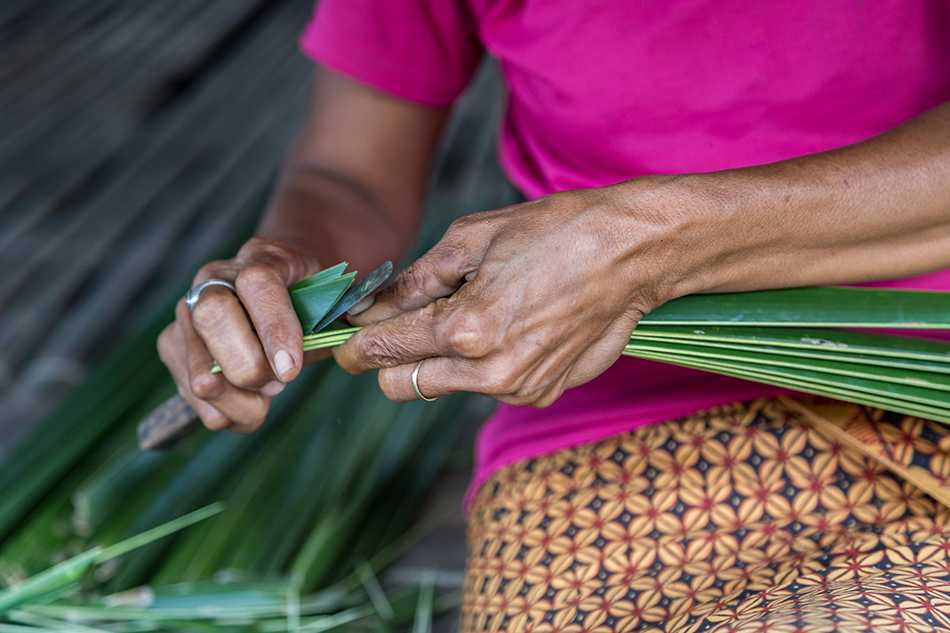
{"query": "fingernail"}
[(361, 305), (273, 388), (470, 276), (283, 363)]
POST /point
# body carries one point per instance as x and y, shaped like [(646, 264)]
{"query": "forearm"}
[(878, 209), (351, 188), (327, 218)]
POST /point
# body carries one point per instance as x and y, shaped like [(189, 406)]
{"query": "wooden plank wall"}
[(132, 134)]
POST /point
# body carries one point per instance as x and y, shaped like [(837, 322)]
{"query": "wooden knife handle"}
[(167, 424)]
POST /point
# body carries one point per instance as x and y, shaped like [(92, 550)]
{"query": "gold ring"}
[(415, 382)]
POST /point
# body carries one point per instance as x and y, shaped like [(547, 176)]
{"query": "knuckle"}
[(260, 247), (411, 286), (211, 270), (263, 246), (253, 245), (472, 335), (251, 373), (275, 253), (413, 278), (257, 276), (380, 353), (206, 386), (501, 380), (460, 227), (459, 237), (388, 385), (216, 422), (210, 309)]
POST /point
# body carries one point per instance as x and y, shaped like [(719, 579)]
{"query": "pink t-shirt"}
[(601, 91)]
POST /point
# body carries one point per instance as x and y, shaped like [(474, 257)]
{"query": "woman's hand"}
[(253, 335), (350, 189), (523, 302)]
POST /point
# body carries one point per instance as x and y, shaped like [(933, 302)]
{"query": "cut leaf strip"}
[(837, 341), (811, 307), (860, 392), (837, 366), (789, 380)]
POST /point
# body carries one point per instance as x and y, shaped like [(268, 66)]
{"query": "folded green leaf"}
[(54, 581), (312, 301), (329, 274)]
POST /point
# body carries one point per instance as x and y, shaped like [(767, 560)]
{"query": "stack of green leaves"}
[(802, 339), (331, 483), (48, 601), (313, 297)]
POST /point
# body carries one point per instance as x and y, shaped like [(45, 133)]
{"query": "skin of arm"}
[(524, 302), (350, 189)]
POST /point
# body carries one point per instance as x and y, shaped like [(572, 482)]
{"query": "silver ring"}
[(191, 298), (415, 383)]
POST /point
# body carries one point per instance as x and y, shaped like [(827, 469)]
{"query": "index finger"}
[(405, 338), (262, 290), (437, 274)]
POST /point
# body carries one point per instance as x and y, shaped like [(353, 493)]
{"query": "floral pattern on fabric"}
[(743, 518)]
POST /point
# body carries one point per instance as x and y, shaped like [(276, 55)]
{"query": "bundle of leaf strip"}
[(49, 600), (784, 338), (332, 478), (331, 482), (778, 337), (230, 605)]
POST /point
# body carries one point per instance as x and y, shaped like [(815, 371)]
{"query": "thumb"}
[(437, 274)]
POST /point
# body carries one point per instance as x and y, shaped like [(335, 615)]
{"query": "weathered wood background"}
[(133, 135)]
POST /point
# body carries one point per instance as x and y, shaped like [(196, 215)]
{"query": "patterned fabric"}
[(743, 518)]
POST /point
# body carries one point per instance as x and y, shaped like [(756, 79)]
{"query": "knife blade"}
[(356, 293)]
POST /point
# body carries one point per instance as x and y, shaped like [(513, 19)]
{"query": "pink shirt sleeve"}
[(421, 50)]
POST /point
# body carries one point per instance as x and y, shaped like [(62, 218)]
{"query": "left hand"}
[(524, 302)]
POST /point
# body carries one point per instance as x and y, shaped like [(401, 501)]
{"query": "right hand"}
[(254, 336)]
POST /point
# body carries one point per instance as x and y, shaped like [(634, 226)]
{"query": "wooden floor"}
[(133, 135)]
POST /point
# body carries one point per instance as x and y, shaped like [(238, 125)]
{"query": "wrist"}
[(325, 221), (678, 237)]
